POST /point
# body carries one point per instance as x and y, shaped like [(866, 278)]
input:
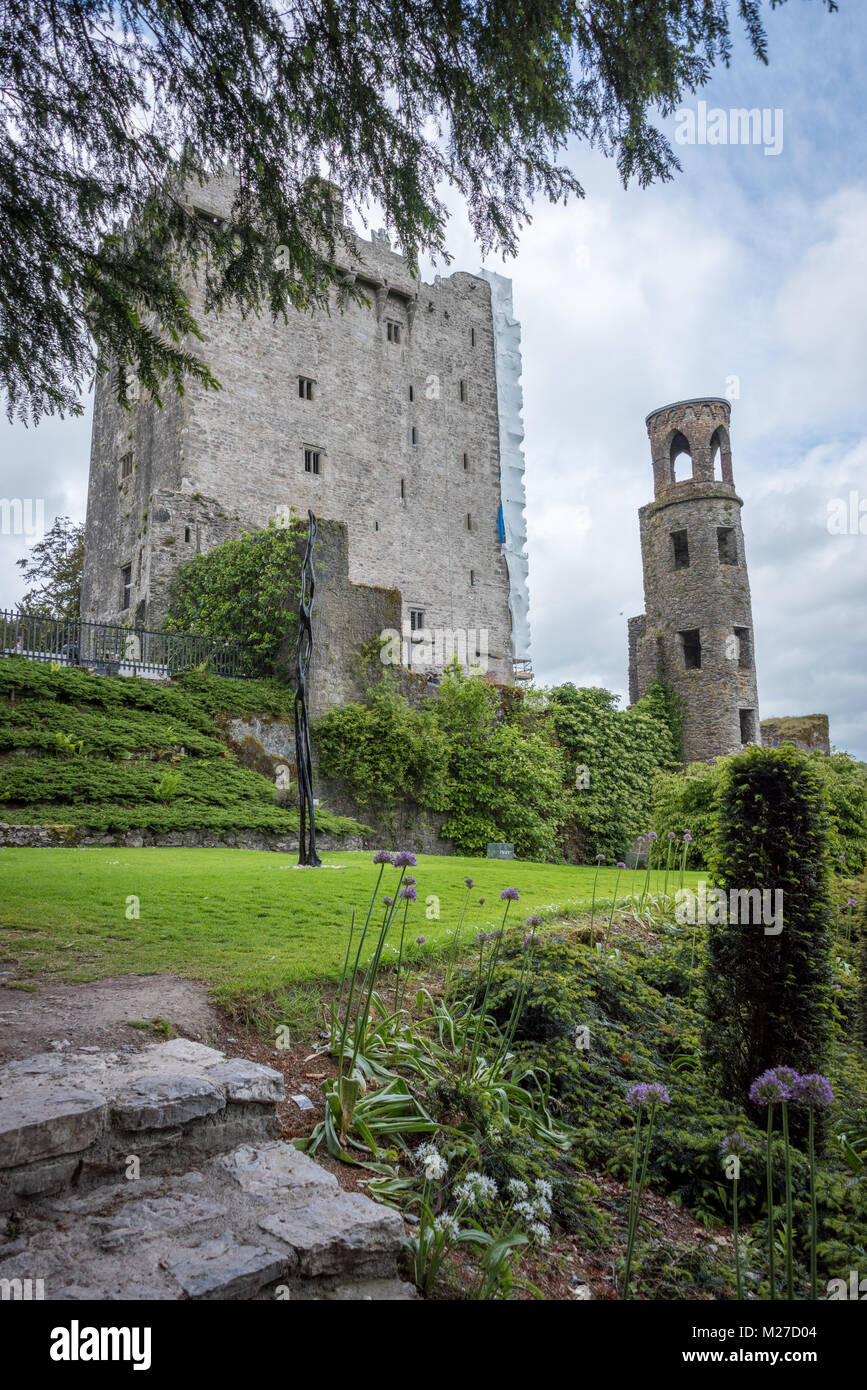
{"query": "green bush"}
[(246, 591), (767, 997), (623, 752), (505, 775), (385, 751), (493, 769), (686, 801)]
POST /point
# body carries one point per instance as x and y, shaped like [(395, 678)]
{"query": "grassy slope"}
[(243, 921), (120, 754)]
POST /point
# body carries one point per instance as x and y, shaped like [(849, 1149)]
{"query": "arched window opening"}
[(721, 456), (681, 458)]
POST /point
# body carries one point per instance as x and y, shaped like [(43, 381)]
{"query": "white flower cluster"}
[(535, 1209), (540, 1232), (446, 1225), (431, 1162), (474, 1188)]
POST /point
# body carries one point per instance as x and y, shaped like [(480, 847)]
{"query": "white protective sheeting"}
[(510, 403)]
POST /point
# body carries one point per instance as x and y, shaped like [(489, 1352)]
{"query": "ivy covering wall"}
[(245, 591), (502, 765)]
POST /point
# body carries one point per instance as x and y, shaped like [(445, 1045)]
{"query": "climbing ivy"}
[(246, 591), (612, 757), (503, 765)]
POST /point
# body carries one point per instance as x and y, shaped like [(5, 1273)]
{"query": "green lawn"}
[(244, 921)]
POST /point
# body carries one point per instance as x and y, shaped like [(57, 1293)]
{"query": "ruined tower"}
[(697, 630)]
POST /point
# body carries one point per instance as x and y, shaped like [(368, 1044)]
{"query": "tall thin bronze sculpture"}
[(306, 844)]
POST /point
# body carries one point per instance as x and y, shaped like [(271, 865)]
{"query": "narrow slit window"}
[(464, 392), (472, 578), (403, 489), (125, 586), (413, 435), (466, 463), (392, 331), (472, 337), (691, 644), (745, 648), (680, 549), (187, 535), (126, 466), (411, 394), (727, 545), (469, 521), (305, 388), (312, 461)]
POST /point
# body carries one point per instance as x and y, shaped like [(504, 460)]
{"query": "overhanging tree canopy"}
[(109, 109)]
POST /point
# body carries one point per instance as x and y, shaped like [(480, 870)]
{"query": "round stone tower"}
[(697, 629)]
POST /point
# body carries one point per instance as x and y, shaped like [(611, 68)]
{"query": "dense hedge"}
[(687, 800), (622, 752), (117, 754), (503, 766), (491, 766)]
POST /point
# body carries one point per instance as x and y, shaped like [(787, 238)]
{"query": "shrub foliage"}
[(767, 997)]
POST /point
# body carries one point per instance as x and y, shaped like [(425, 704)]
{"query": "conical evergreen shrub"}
[(767, 992)]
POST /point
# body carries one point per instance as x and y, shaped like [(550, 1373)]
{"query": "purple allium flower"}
[(620, 864), (469, 883), (382, 856), (771, 1088), (735, 1144), (533, 922), (851, 902), (509, 895), (409, 893), (599, 858), (687, 838), (842, 859), (420, 940), (480, 937), (652, 835), (410, 881), (671, 835), (388, 901), (788, 1076), (530, 938), (481, 902), (405, 859), (647, 1093), (813, 1089)]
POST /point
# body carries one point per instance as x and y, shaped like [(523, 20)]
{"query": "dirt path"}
[(100, 1014)]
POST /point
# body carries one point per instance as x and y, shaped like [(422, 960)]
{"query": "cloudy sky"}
[(746, 277)]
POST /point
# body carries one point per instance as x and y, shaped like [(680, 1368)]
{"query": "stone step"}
[(78, 1119), (263, 1221)]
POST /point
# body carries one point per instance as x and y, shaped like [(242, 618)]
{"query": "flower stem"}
[(813, 1211), (790, 1235), (772, 1277)]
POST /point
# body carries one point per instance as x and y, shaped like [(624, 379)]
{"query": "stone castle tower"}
[(400, 419), (697, 630)]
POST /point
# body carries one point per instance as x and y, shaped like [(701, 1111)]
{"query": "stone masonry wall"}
[(708, 595), (421, 509)]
